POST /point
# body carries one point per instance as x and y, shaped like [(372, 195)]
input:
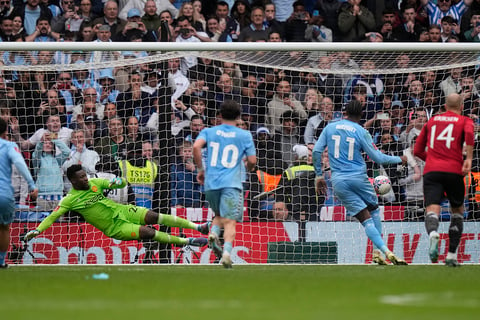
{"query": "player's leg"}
[(433, 193), (213, 198), (4, 242), (7, 213), (377, 221), (456, 194), (147, 233), (152, 217), (231, 211)]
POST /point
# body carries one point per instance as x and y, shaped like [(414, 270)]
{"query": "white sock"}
[(452, 256)]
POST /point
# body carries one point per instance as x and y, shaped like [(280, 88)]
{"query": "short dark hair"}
[(72, 170), (230, 110), (3, 126), (290, 115), (354, 108)]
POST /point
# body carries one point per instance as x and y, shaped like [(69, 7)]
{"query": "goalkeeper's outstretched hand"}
[(115, 181), (31, 234)]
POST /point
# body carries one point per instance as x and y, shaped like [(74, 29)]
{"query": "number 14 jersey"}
[(441, 142)]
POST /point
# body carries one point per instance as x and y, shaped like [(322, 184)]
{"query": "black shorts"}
[(438, 184)]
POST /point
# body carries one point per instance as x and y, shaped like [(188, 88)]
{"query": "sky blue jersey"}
[(10, 154), (226, 146), (346, 140)]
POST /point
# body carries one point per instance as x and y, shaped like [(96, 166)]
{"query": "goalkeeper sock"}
[(174, 221), (227, 247), (431, 222), (372, 234), (3, 254), (168, 238), (377, 221), (455, 232), (215, 229)]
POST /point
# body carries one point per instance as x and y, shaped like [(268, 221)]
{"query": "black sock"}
[(455, 232), (431, 222)]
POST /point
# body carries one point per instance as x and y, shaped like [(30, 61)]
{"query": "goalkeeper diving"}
[(117, 221)]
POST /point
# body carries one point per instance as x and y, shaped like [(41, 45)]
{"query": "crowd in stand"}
[(146, 113)]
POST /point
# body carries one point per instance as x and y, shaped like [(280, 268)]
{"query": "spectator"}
[(53, 129), (67, 19), (43, 32), (226, 91), (343, 61), (134, 101), (328, 84), (135, 137), (472, 34), (316, 31), (251, 95), (106, 90), (104, 34), (47, 167), (354, 21), (452, 84), (191, 132), (6, 9), (185, 191), (232, 27), (150, 18), (297, 194), (113, 147), (86, 12), (162, 5), (287, 136), (283, 101), (80, 154), (434, 33), (271, 19), (18, 31), (317, 122), (436, 11), (134, 30), (6, 29), (410, 29), (296, 24), (177, 81), (412, 98), (86, 32), (242, 13), (256, 30), (413, 184), (50, 106), (111, 18), (30, 12), (450, 28), (187, 10)]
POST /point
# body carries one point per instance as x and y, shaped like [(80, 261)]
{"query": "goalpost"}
[(86, 86)]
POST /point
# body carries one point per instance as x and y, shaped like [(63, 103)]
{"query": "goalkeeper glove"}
[(115, 181), (31, 234)]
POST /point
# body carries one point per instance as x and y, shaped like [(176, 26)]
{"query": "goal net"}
[(135, 109)]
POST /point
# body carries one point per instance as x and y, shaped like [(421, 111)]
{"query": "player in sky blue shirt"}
[(346, 141), (10, 154), (226, 147)]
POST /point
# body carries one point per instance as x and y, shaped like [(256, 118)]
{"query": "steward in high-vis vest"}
[(296, 189), (142, 176)]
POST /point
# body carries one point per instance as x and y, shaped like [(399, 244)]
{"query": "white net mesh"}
[(131, 113)]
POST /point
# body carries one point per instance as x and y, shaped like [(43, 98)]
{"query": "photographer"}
[(68, 20), (297, 23)]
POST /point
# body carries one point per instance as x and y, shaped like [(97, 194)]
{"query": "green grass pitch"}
[(244, 292)]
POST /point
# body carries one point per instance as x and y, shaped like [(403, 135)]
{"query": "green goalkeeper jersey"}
[(97, 209)]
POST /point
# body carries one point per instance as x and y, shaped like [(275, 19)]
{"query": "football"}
[(382, 185)]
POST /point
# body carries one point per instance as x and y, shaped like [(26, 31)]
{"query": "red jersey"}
[(440, 143)]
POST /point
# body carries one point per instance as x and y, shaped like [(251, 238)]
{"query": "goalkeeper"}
[(118, 221)]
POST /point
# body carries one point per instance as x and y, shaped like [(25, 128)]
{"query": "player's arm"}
[(251, 162), (421, 144), (19, 163), (47, 222), (198, 145), (469, 142), (376, 155), (320, 145)]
